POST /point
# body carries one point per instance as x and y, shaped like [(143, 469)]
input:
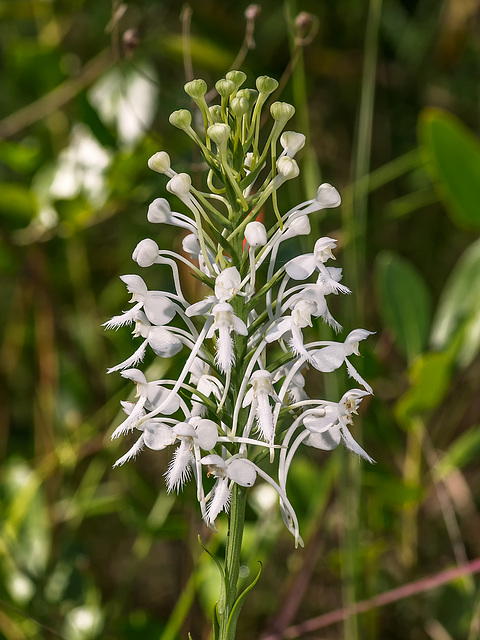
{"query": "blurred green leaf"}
[(25, 522), (465, 449), (21, 157), (404, 302), (17, 203), (430, 377), (205, 53), (452, 154), (459, 307)]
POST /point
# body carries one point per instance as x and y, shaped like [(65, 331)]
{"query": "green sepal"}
[(237, 607)]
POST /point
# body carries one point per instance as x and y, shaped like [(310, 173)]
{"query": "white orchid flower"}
[(157, 305), (333, 355), (302, 267), (192, 436), (239, 470), (258, 396), (225, 321)]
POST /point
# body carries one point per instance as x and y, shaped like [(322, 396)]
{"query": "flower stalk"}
[(240, 394)]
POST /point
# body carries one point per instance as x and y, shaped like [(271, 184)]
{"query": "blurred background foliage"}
[(388, 93)]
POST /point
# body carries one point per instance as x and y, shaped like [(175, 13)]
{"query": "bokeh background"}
[(389, 95)]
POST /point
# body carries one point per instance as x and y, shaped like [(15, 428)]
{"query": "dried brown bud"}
[(252, 11), (130, 41)]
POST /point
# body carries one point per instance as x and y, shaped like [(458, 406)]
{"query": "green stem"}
[(232, 560)]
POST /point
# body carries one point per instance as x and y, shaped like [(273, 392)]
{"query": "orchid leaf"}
[(237, 607)]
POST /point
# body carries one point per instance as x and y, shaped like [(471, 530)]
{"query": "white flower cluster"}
[(241, 392)]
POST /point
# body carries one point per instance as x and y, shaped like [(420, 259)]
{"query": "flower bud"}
[(160, 162), (328, 196), (216, 113), (182, 119), (219, 133), (146, 253), (256, 234), (239, 106), (159, 211), (237, 77), (252, 11), (250, 94), (266, 85), (287, 168), (282, 111), (180, 185), (292, 142), (297, 227), (196, 89), (225, 88)]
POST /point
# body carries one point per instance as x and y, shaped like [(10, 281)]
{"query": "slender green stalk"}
[(232, 559)]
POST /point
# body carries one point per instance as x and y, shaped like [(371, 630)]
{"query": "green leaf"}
[(464, 450), (237, 607), (430, 377), (459, 307), (452, 154), (404, 302)]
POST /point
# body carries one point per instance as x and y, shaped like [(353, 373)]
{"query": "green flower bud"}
[(282, 111), (196, 89), (237, 77), (182, 119), (219, 133), (160, 162), (216, 113), (225, 88), (239, 106), (266, 85), (250, 94)]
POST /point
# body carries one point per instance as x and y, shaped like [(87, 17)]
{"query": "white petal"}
[(163, 342), (207, 434), (158, 308), (329, 358), (242, 472), (326, 441), (351, 444), (157, 436), (301, 267)]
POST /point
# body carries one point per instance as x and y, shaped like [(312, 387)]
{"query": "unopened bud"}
[(146, 252), (225, 88), (282, 111), (292, 142), (219, 133), (328, 196), (159, 211), (196, 89), (298, 227), (256, 234), (160, 162), (130, 42), (237, 77), (182, 119), (287, 168), (252, 11), (250, 94), (216, 113), (239, 106), (266, 85), (179, 185)]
